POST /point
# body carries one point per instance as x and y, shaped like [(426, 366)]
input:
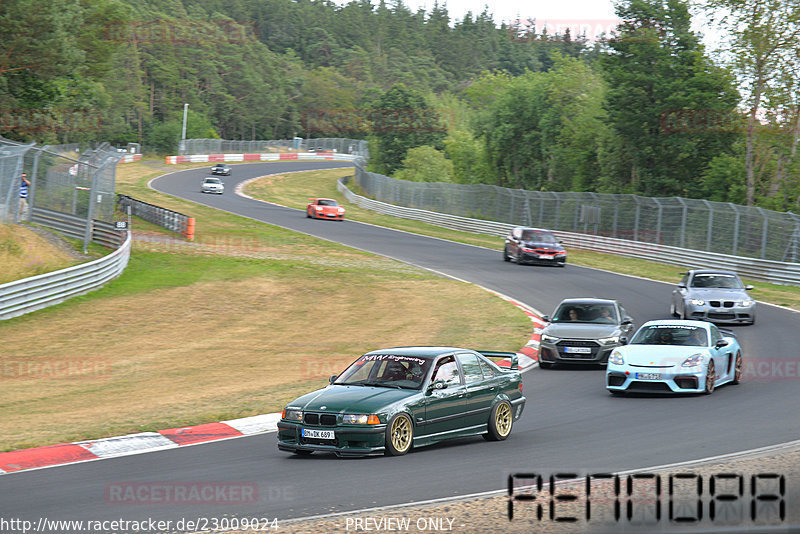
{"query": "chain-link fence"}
[(719, 227), (222, 146), (61, 180), (12, 163)]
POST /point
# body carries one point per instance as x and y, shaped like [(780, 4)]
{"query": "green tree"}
[(425, 164), (401, 119), (655, 66)]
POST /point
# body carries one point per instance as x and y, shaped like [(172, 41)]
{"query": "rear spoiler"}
[(506, 359)]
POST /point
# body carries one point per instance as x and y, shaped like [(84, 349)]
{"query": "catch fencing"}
[(700, 225), (356, 147), (63, 180), (769, 271)]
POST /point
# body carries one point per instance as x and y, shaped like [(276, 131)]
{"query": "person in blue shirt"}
[(23, 197)]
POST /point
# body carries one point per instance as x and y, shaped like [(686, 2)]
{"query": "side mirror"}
[(721, 343), (623, 340), (437, 384), (682, 286), (748, 287), (332, 379), (547, 318), (627, 321)]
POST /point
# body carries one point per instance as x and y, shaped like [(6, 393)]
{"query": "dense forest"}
[(646, 110)]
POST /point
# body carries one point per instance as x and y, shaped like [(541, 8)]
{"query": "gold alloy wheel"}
[(401, 434), (502, 419)]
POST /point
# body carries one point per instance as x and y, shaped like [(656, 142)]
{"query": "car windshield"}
[(586, 313), (386, 370), (328, 203), (725, 281), (671, 335), (212, 181), (538, 236)]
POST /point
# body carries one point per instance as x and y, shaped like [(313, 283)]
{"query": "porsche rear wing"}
[(727, 333), (507, 360)]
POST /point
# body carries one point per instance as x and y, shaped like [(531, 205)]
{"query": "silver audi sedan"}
[(713, 295)]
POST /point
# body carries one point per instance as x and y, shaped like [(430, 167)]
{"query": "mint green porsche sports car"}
[(391, 400)]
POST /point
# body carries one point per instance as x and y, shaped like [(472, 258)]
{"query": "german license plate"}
[(545, 257), (578, 350), (317, 434), (648, 376)]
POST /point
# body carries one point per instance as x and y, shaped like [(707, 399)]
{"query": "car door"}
[(722, 356), (444, 408), (480, 392)]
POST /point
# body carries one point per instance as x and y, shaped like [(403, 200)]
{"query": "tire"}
[(738, 369), (399, 435), (682, 313), (545, 365), (308, 215), (711, 377), (501, 419), (506, 257)]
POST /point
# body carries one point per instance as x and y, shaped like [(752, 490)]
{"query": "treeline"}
[(645, 111)]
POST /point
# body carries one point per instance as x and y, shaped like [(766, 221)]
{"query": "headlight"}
[(746, 303), (293, 415), (341, 210), (697, 302), (360, 419), (609, 340), (616, 358), (318, 208), (693, 361), (549, 339)]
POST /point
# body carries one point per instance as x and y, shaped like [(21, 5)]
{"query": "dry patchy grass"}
[(25, 253)]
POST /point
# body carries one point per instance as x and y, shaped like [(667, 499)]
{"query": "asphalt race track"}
[(570, 422)]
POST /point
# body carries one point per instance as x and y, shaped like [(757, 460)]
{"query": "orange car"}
[(324, 208)]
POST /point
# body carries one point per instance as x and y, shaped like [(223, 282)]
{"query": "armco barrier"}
[(208, 158), (163, 217), (769, 271), (30, 294), (103, 233)]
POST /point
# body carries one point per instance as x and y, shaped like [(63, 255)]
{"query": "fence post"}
[(710, 223), (684, 208), (636, 219), (764, 233)]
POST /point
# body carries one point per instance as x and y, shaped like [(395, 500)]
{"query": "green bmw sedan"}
[(391, 400)]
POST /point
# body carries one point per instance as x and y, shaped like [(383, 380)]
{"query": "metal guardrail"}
[(163, 217), (103, 233), (766, 270), (30, 294)]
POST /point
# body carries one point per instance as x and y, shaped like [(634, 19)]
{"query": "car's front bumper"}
[(542, 259), (348, 440), (555, 353), (721, 315), (675, 379), (331, 216)]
